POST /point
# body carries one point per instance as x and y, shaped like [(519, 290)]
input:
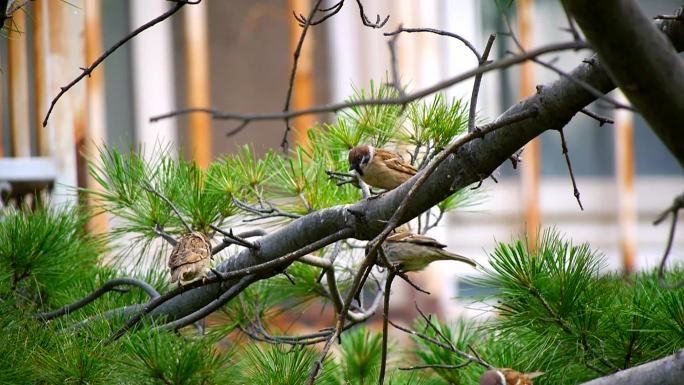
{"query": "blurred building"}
[(236, 56)]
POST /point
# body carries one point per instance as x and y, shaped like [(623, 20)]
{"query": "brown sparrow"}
[(379, 168), (189, 259), (412, 252), (507, 377)]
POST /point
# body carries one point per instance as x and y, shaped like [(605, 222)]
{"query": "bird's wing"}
[(191, 248), (424, 241), (395, 162)]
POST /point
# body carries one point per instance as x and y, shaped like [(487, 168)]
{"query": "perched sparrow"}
[(412, 252), (189, 259), (507, 377), (379, 168)]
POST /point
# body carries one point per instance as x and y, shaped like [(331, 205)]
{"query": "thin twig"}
[(331, 11), (378, 23), (228, 241), (564, 147), (385, 335), (166, 236), (601, 119), (293, 72), (270, 212), (87, 71), (437, 366), (335, 107), (110, 285), (396, 83), (588, 87), (476, 84), (674, 209), (236, 239), (572, 28), (440, 32), (442, 345)]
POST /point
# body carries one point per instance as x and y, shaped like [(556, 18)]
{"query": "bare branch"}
[(87, 71), (450, 347), (440, 32), (377, 24), (476, 84), (674, 209), (438, 366), (500, 64), (331, 11), (385, 333), (564, 148), (229, 241), (601, 119), (236, 239), (293, 72), (110, 285)]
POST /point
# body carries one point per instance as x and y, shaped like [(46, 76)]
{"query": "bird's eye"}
[(365, 159)]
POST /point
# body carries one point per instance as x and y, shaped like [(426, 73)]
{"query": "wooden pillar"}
[(624, 173), (531, 156), (303, 95), (96, 131), (198, 84), (40, 91), (20, 127), (65, 56)]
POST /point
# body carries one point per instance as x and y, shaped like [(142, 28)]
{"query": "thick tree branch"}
[(666, 371), (652, 78)]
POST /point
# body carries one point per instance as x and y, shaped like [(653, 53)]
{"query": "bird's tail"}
[(456, 257)]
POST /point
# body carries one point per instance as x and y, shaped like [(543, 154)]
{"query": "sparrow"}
[(412, 252), (507, 376), (189, 259), (378, 167)]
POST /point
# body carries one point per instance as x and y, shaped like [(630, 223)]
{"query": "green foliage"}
[(562, 317), (461, 336), (360, 356), (435, 124), (554, 309), (164, 358), (273, 364), (44, 253), (377, 124), (68, 360)]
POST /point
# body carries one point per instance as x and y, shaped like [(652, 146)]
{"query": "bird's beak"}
[(355, 166)]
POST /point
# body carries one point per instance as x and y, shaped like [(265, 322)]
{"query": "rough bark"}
[(665, 371), (555, 103), (640, 60)]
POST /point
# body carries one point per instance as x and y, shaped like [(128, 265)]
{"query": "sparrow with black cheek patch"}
[(379, 168), (189, 259), (507, 376), (412, 252)]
